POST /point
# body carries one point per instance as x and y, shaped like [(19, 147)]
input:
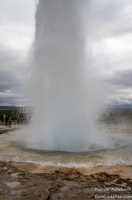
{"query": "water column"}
[(63, 92)]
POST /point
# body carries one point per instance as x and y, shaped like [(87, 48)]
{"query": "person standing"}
[(7, 119), (4, 118), (18, 119), (10, 121)]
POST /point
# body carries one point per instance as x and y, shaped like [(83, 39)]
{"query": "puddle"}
[(11, 170), (109, 183), (65, 188), (4, 168), (15, 192), (68, 185), (88, 190), (12, 184), (15, 175)]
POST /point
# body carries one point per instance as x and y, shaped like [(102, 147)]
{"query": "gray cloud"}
[(105, 19), (118, 87), (11, 78), (111, 18), (123, 79), (12, 66), (9, 82), (11, 100), (16, 35), (120, 78)]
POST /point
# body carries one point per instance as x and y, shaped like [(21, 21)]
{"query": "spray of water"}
[(64, 89)]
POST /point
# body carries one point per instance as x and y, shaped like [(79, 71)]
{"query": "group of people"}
[(7, 119)]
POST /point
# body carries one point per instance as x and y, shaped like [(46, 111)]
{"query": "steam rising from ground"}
[(64, 89)]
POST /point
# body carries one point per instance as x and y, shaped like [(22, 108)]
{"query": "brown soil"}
[(64, 183)]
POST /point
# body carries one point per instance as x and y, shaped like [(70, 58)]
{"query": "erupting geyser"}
[(64, 88)]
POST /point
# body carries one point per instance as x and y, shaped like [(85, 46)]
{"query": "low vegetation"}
[(15, 112), (114, 116)]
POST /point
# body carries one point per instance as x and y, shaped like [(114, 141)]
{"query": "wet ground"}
[(117, 150), (27, 174), (64, 183), (6, 128)]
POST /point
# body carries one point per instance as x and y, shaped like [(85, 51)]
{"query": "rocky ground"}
[(16, 184)]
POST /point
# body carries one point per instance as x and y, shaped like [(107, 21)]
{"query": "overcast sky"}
[(16, 36), (111, 29)]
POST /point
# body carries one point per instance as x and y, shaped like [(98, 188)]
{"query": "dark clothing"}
[(18, 119), (7, 120), (1, 118), (10, 121), (4, 118)]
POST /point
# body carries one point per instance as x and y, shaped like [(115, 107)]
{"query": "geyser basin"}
[(118, 153), (64, 89)]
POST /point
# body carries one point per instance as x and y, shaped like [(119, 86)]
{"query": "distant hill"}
[(7, 107), (123, 106)]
